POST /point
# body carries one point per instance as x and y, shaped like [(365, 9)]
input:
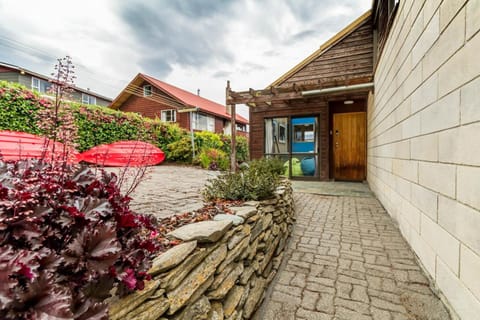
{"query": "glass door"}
[(304, 157), (294, 140)]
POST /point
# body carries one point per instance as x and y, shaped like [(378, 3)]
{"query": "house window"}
[(35, 84), (282, 133), (147, 90), (276, 136), (87, 99), (168, 115), (203, 122)]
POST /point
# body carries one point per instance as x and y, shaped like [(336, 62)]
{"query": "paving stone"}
[(309, 299), (362, 268), (312, 315)]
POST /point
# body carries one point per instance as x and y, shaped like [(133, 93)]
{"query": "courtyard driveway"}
[(170, 189)]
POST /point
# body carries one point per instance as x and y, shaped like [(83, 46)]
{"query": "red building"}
[(153, 98)]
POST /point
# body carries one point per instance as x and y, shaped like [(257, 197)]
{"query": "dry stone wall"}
[(222, 268)]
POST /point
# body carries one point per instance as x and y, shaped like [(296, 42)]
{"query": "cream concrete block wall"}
[(424, 141)]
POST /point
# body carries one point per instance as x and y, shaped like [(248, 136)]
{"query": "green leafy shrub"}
[(181, 150), (208, 140), (256, 182), (214, 159), (241, 147), (18, 108)]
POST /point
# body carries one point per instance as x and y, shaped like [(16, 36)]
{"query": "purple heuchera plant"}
[(67, 237)]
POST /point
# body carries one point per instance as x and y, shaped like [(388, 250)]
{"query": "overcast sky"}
[(193, 44)]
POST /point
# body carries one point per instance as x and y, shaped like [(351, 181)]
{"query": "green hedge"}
[(98, 125)]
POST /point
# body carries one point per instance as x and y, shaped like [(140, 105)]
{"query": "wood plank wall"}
[(350, 58)]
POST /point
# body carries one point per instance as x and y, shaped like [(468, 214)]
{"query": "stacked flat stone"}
[(221, 270)]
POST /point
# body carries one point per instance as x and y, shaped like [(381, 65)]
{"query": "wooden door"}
[(349, 146)]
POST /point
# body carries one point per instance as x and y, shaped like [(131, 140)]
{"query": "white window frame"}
[(88, 99), (147, 90), (173, 115), (210, 122), (39, 84)]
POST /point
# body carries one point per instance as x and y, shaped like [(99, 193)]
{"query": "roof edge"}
[(111, 105), (47, 78), (324, 47)]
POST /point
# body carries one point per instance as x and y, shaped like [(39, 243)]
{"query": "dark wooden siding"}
[(350, 58), (314, 107)]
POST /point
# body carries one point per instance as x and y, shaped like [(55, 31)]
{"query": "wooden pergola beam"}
[(267, 96)]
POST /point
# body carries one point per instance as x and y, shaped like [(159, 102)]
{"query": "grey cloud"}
[(271, 53), (170, 34), (221, 74), (300, 36)]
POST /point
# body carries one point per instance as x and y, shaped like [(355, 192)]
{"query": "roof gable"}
[(325, 47)]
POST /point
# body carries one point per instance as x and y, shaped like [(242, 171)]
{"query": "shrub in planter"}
[(256, 182), (214, 159), (67, 236)]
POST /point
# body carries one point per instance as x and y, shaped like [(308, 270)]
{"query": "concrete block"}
[(461, 67), (460, 145), (426, 94), (412, 215), (403, 110), (448, 10), (468, 186), (458, 295), (411, 127), (450, 40), (438, 177), (444, 244), (401, 150), (425, 147), (470, 104), (428, 37), (460, 220), (429, 9), (403, 188), (425, 200), (473, 17), (469, 270), (406, 169), (443, 114), (424, 252), (413, 81)]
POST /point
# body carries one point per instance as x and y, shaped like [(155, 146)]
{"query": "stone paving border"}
[(347, 260)]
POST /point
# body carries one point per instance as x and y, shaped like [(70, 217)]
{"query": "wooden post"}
[(233, 144)]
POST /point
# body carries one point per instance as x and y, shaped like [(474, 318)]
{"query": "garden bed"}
[(221, 268)]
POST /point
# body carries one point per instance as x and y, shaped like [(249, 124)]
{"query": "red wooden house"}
[(153, 98)]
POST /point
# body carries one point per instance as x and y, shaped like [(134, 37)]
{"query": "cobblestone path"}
[(347, 260), (170, 189)]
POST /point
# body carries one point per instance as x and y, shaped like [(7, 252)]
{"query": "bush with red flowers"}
[(67, 237)]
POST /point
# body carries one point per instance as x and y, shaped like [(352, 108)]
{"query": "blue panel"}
[(307, 146)]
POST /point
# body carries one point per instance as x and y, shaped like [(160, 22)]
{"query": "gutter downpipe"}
[(337, 89)]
